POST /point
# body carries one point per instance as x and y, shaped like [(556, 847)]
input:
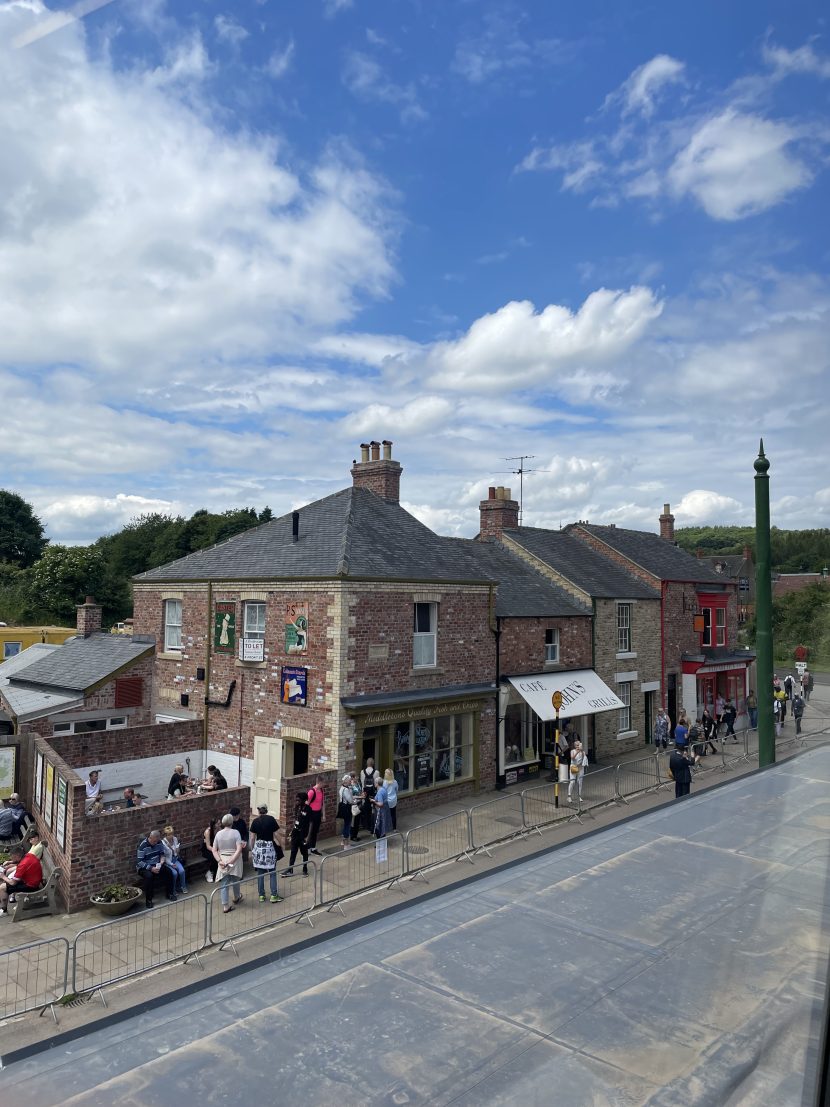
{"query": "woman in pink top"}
[(316, 801)]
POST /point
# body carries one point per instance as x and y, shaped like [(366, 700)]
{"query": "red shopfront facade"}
[(717, 672)]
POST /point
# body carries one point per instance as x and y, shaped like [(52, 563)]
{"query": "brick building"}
[(700, 658), (349, 630)]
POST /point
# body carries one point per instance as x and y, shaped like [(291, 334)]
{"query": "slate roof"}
[(522, 591), (581, 565), (32, 703), (656, 555), (352, 533), (82, 663)]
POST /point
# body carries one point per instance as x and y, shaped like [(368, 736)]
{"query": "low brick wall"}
[(155, 740)]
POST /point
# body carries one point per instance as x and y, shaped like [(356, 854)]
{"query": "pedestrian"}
[(299, 834), (357, 808), (695, 735), (730, 714), (265, 851), (777, 706), (681, 733), (207, 851), (708, 726), (798, 711), (789, 684), (172, 856), (661, 730), (680, 767), (152, 867), (240, 825), (391, 786), (806, 685), (720, 704), (579, 759), (752, 709), (317, 803), (383, 819), (367, 783), (227, 849), (344, 808), (781, 704)]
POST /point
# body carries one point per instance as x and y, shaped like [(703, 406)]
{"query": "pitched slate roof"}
[(353, 533), (522, 591), (584, 567), (82, 663), (31, 702), (656, 555)]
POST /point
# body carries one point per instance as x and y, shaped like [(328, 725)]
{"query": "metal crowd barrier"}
[(599, 789), (642, 775), (298, 898), (113, 951), (443, 840), (540, 806), (350, 872), (33, 976), (496, 820)]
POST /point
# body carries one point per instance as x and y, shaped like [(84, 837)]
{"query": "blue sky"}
[(237, 240)]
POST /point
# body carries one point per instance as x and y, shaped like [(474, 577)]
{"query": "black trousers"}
[(681, 788), (298, 847), (314, 828), (149, 880)]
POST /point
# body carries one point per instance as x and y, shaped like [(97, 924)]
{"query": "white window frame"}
[(706, 633), (624, 712), (172, 627), (113, 722), (720, 626), (623, 628), (7, 653), (552, 645), (254, 629), (425, 642)]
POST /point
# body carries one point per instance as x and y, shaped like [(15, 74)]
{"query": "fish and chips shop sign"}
[(582, 692)]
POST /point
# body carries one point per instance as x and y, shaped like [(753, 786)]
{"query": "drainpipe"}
[(239, 751)]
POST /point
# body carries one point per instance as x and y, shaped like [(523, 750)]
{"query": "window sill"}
[(170, 655), (625, 654), (425, 669), (623, 734), (250, 664), (553, 664)]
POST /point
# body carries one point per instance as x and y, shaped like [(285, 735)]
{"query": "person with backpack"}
[(798, 711), (316, 803), (299, 834)]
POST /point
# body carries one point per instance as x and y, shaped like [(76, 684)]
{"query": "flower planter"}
[(111, 908)]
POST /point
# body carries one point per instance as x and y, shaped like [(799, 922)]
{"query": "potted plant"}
[(116, 899)]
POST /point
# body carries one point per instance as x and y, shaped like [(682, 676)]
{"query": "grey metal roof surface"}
[(522, 591), (655, 554), (27, 702), (82, 662), (352, 533), (581, 565)]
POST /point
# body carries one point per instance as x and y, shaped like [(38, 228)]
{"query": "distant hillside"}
[(792, 551)]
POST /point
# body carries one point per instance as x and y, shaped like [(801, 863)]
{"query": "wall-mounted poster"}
[(224, 626), (60, 823), (38, 779), (296, 628), (8, 770), (294, 686), (49, 793)]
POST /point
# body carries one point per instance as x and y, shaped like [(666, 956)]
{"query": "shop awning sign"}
[(583, 693)]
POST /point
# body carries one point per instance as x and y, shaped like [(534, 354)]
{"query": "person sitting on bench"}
[(28, 876)]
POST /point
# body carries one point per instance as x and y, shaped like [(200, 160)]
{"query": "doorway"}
[(268, 762), (671, 699), (648, 709)]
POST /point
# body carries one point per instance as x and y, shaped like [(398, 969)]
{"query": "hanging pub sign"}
[(224, 626), (294, 686), (296, 628)]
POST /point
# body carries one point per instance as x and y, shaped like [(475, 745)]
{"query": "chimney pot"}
[(491, 492), (387, 450), (375, 451), (364, 451)]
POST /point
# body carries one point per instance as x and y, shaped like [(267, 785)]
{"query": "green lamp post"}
[(763, 612)]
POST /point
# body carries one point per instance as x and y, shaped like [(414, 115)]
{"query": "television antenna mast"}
[(520, 473)]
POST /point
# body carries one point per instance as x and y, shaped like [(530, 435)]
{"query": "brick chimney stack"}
[(89, 617), (497, 513), (377, 474), (747, 553), (667, 524)]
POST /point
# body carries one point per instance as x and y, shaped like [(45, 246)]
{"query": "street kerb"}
[(540, 806), (495, 821), (33, 976), (145, 940), (642, 775), (349, 872), (443, 840), (298, 898)]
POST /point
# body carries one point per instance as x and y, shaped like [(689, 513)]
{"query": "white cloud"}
[(703, 506), (803, 60), (229, 30), (366, 79), (280, 61), (736, 165), (426, 413), (79, 515), (638, 92), (500, 48), (331, 8)]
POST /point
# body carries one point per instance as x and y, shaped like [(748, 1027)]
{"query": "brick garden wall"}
[(135, 742)]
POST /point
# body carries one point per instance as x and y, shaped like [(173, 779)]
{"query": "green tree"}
[(21, 532), (65, 576)]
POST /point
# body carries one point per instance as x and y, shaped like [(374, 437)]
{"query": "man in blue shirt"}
[(681, 733), (152, 867)]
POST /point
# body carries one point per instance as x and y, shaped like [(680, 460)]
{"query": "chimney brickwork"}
[(667, 524), (381, 475), (89, 617), (497, 513)]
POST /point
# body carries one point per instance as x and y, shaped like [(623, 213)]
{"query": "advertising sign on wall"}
[(38, 779), (49, 793), (60, 824), (296, 628), (8, 771), (294, 685), (224, 626)]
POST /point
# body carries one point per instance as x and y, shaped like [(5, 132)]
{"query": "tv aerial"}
[(520, 473)]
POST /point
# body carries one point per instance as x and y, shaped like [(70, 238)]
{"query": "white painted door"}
[(268, 755)]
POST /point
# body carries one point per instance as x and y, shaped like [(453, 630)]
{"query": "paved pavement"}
[(677, 958)]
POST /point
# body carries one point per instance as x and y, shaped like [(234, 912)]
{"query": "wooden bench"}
[(25, 827), (194, 863), (44, 900)]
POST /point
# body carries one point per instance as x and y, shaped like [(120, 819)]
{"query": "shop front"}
[(527, 719), (431, 739), (707, 681)]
